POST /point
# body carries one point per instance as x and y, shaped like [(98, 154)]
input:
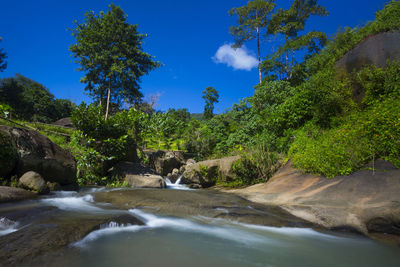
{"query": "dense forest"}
[(304, 108)]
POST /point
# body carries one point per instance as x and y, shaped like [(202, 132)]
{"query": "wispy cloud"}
[(239, 58)]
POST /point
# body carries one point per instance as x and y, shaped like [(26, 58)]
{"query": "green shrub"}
[(362, 137)]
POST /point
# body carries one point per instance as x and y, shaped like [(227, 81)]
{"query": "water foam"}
[(177, 185), (229, 233), (106, 229), (75, 203), (7, 226)]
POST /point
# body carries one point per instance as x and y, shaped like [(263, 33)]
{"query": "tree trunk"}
[(108, 102), (259, 55), (287, 60)]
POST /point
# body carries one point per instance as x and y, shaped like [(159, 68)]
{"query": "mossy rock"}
[(8, 155)]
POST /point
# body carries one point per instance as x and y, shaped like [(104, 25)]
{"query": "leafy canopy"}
[(109, 51), (210, 95)]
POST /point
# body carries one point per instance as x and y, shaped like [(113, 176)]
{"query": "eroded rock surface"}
[(365, 201), (9, 194)]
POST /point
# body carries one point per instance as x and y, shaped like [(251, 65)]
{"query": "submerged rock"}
[(33, 181), (137, 175), (49, 229), (202, 202)]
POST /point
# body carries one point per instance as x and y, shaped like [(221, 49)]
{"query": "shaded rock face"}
[(37, 153), (9, 194), (364, 201), (164, 162), (375, 50), (8, 155), (33, 181), (205, 173), (137, 175)]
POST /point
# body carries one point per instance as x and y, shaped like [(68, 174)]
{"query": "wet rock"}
[(49, 230), (9, 194), (137, 175), (37, 153), (34, 182), (174, 175), (202, 202), (207, 172)]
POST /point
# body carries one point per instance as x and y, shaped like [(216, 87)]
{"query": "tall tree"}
[(211, 96), (3, 56), (289, 22), (253, 18), (109, 51)]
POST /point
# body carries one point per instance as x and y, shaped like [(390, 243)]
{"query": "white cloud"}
[(239, 58)]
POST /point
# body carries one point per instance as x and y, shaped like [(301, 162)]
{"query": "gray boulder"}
[(206, 173), (37, 153), (137, 175), (8, 155), (34, 182)]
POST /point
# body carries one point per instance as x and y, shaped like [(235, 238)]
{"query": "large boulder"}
[(206, 173), (8, 194), (33, 181), (137, 175), (374, 50), (163, 162), (367, 201), (8, 155), (37, 153)]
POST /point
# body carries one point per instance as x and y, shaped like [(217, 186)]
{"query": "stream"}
[(171, 227)]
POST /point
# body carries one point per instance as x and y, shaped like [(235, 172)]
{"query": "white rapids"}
[(177, 185)]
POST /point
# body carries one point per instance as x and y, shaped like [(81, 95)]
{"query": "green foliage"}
[(379, 83), (99, 143), (5, 110), (363, 136), (210, 95), (32, 101), (255, 165), (109, 51)]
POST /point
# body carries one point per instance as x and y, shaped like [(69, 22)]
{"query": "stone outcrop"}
[(36, 152), (8, 155), (64, 122), (164, 162), (205, 173), (374, 50), (365, 201), (9, 194), (34, 182), (137, 175)]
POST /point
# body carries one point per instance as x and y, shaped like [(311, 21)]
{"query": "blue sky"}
[(184, 35)]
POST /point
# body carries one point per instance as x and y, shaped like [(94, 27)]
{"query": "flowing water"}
[(193, 240)]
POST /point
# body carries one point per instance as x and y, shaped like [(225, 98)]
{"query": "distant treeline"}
[(31, 101)]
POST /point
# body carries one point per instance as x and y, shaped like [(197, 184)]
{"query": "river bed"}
[(159, 239)]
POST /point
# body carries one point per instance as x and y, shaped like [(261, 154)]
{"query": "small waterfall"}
[(176, 185), (178, 181)]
